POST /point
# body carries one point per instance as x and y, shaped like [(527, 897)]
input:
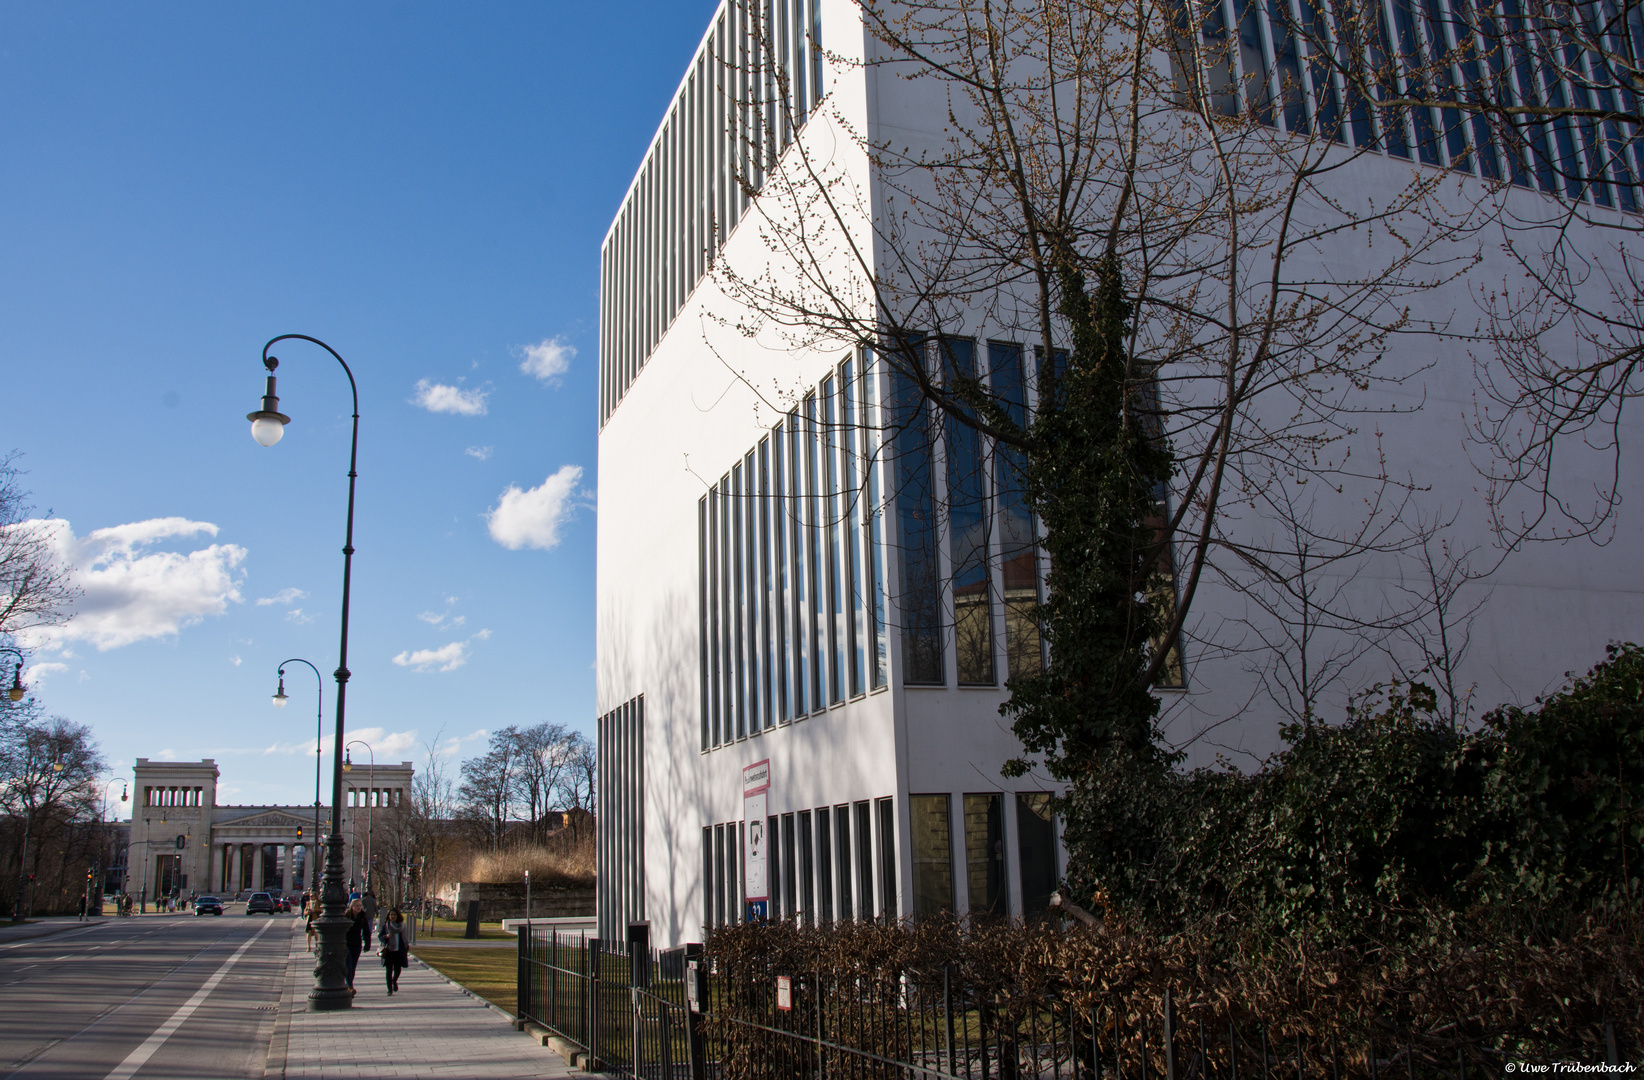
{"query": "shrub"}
[(1383, 826)]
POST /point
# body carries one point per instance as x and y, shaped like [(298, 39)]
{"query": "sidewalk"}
[(429, 1029)]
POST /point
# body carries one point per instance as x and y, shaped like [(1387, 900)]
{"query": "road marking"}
[(139, 1057)]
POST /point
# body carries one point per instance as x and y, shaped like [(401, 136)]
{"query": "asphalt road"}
[(159, 996)]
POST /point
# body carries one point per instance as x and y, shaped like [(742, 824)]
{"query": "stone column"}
[(285, 868), (256, 867), (214, 876)]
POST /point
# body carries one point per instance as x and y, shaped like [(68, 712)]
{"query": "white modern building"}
[(800, 662)]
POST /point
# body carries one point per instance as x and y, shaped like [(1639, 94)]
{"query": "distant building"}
[(182, 841)]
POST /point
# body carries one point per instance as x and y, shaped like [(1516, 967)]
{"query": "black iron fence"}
[(622, 1003), (664, 1016)]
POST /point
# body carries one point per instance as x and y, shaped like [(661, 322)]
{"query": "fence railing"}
[(624, 1004), (660, 1016)]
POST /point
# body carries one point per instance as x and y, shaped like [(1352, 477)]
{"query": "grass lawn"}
[(490, 973), (455, 928)]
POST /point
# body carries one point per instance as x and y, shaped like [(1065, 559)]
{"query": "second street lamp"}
[(319, 738), (370, 797), (330, 990), (17, 689)]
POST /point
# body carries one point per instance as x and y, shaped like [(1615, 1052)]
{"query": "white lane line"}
[(139, 1057)]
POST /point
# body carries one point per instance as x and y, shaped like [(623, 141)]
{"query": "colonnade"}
[(242, 866)]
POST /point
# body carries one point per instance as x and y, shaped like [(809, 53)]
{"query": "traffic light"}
[(299, 832)]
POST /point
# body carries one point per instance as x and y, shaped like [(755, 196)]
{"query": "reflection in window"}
[(985, 855), (1036, 848), (842, 860), (1018, 532), (932, 845), (968, 522), (921, 582)]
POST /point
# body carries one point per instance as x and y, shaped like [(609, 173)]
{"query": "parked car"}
[(261, 904), (208, 905)]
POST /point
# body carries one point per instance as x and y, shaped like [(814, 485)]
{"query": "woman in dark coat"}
[(396, 947), (359, 930)]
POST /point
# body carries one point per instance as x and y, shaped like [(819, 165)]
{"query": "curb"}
[(279, 1042)]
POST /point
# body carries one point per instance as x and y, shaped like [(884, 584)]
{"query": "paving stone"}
[(429, 1030)]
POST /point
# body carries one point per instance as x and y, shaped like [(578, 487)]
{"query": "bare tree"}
[(575, 788), (49, 768), (1538, 96), (1105, 143), (489, 785), (541, 755), (36, 589)]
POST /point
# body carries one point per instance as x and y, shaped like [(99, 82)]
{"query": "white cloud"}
[(295, 615), (448, 657), (391, 746), (235, 660), (548, 359), (453, 746), (283, 597), (130, 593), (168, 754), (34, 673), (445, 658), (523, 519), (479, 453), (440, 398), (432, 618)]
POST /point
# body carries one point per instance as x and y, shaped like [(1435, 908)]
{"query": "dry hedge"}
[(1520, 1000)]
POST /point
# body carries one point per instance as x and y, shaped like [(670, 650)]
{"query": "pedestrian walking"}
[(311, 911), (82, 907), (359, 933), (396, 948), (369, 902)]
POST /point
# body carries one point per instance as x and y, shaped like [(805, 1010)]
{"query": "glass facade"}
[(791, 567)]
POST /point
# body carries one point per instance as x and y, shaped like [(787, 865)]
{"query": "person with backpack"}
[(396, 947)]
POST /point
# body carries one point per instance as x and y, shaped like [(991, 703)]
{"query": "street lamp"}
[(370, 802), (102, 817), (279, 703), (330, 990), (17, 689)]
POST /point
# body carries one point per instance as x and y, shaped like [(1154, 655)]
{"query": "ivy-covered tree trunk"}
[(1096, 475)]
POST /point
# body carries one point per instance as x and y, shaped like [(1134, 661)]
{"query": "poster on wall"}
[(756, 784)]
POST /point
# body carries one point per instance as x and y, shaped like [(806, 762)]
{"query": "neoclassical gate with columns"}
[(182, 842)]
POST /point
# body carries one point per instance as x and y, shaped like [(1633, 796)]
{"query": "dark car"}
[(261, 904), (208, 905), (284, 902)]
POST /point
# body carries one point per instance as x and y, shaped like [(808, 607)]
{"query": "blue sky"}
[(424, 187)]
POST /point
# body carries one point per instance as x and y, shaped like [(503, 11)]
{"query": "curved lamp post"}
[(330, 990), (279, 703), (102, 818), (17, 689), (370, 818)]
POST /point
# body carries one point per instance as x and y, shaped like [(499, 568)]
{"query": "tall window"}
[(791, 569), (969, 525), (1036, 851), (985, 855), (920, 598), (1018, 531), (931, 842)]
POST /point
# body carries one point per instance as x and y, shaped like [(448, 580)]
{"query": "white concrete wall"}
[(710, 392)]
